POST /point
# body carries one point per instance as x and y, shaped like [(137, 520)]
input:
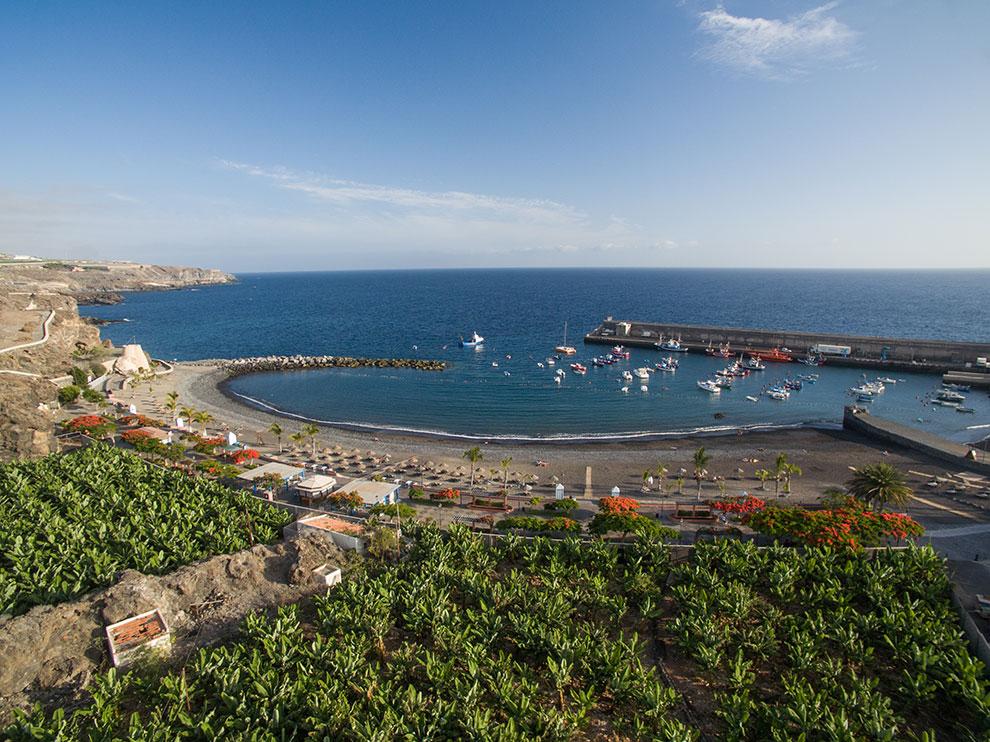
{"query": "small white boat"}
[(474, 341), (644, 388), (709, 386), (494, 364), (556, 379), (642, 373), (886, 380), (539, 364), (624, 390), (560, 372), (551, 362), (753, 364), (507, 373), (752, 398), (627, 376), (777, 394)]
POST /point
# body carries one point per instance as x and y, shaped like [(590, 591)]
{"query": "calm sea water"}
[(422, 314)]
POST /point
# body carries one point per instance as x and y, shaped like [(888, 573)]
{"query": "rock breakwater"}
[(261, 364)]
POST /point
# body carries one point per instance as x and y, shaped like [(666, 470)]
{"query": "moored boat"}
[(775, 354), (474, 341), (709, 386), (564, 348)]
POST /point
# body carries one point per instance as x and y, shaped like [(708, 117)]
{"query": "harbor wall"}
[(893, 353), (860, 421)]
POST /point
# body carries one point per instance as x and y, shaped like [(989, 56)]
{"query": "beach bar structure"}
[(313, 488), (287, 472), (372, 492)]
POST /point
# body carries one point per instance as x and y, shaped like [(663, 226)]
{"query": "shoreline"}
[(562, 439), (824, 454)]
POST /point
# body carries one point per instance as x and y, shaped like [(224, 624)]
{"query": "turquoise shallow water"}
[(521, 312)]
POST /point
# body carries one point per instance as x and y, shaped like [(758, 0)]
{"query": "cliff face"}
[(99, 283), (26, 428), (38, 302)]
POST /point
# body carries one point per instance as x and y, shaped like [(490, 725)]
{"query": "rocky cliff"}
[(100, 283), (42, 336)]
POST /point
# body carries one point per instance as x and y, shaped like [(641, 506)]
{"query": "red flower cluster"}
[(245, 454), (447, 494), (89, 424), (613, 505), (742, 505), (133, 436), (849, 526)]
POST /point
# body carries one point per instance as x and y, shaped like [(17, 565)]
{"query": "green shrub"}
[(79, 377), (68, 394), (566, 505), (91, 395)]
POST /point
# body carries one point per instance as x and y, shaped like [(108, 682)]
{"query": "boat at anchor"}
[(474, 341)]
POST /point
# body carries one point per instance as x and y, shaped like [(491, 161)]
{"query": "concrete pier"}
[(887, 431), (881, 353)]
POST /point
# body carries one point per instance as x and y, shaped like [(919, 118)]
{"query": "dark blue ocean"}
[(422, 314)]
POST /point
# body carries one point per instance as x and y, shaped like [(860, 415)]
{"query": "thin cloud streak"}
[(456, 219), (347, 192), (773, 48)]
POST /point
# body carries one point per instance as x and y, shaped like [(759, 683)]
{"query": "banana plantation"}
[(72, 523), (542, 640)]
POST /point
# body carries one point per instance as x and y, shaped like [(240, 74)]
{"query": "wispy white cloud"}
[(774, 48), (457, 220), (347, 192)]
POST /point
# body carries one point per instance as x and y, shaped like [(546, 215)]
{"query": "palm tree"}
[(297, 438), (661, 475), (505, 472), (763, 475), (701, 459), (187, 412), (311, 431), (788, 471), (172, 402), (202, 417), (878, 484), (473, 455), (680, 484), (276, 430), (646, 477), (778, 471)]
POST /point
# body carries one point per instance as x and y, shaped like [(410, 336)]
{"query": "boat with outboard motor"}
[(474, 341), (709, 386)]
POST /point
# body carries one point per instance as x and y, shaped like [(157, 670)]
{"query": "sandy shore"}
[(824, 456)]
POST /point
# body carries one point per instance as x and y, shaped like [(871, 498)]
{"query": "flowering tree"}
[(850, 525), (618, 505), (740, 505)]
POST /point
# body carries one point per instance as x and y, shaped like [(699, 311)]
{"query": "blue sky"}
[(254, 136)]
